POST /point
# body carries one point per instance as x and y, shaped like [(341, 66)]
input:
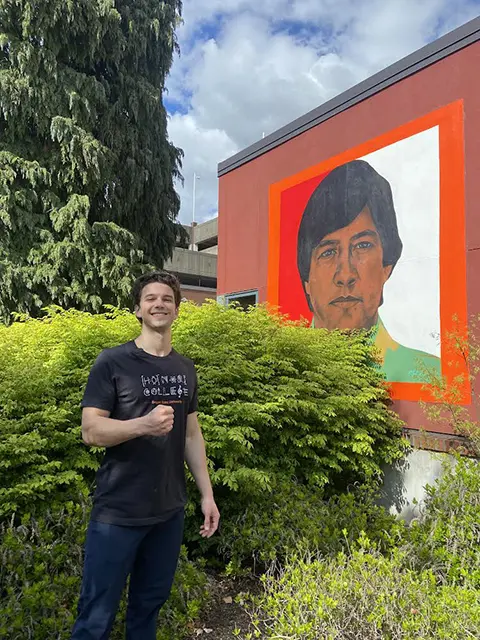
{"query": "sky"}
[(248, 67)]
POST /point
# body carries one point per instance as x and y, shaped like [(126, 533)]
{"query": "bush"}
[(45, 364), (40, 577), (447, 536), (363, 595), (450, 406), (428, 587), (296, 517), (282, 404), (277, 401)]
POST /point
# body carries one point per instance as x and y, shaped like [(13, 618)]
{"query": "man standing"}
[(140, 403)]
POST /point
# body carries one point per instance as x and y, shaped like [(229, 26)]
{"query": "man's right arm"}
[(99, 430)]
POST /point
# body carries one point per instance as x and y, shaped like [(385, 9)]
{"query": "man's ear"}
[(136, 311)]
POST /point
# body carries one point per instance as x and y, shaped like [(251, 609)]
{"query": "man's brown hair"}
[(163, 277)]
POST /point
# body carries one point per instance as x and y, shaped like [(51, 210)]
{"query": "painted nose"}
[(346, 275)]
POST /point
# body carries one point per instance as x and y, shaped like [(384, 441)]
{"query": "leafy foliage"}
[(449, 407), (292, 419), (280, 401), (446, 538), (280, 404), (40, 576), (278, 524), (363, 595), (277, 402), (426, 586), (86, 170), (45, 368)]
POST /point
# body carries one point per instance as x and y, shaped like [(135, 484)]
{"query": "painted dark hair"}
[(156, 276), (337, 201)]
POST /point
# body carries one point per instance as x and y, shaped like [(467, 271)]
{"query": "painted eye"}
[(328, 253), (364, 245)]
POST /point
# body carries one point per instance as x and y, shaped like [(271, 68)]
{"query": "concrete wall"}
[(197, 263), (206, 231), (203, 235), (211, 250), (404, 486)]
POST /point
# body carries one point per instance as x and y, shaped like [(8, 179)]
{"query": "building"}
[(383, 177), (195, 264)]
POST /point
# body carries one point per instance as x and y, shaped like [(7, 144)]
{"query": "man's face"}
[(157, 308), (347, 276)]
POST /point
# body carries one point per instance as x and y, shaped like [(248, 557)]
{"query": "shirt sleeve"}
[(193, 406), (100, 391)]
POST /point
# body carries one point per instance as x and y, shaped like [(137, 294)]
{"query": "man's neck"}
[(154, 342)]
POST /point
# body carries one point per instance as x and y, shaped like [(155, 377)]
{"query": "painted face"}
[(157, 308), (347, 276)]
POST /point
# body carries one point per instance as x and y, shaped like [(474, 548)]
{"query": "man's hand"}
[(197, 463), (159, 422), (212, 517)]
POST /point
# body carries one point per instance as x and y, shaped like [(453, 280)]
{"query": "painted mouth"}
[(346, 302)]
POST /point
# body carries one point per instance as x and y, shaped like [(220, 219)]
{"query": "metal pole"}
[(192, 239), (194, 193)]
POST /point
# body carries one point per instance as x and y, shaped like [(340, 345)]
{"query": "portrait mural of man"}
[(348, 246), (373, 239)]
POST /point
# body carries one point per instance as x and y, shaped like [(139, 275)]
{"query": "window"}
[(245, 299)]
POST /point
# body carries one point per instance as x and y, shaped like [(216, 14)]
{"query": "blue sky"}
[(248, 67)]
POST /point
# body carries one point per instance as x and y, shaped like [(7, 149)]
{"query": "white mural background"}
[(411, 308)]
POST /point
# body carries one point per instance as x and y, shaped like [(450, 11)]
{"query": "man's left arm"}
[(197, 463)]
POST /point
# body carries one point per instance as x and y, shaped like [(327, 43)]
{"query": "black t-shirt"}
[(141, 481)]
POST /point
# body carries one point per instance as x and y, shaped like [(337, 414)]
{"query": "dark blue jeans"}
[(149, 555)]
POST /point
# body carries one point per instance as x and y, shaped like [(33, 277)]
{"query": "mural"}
[(359, 242)]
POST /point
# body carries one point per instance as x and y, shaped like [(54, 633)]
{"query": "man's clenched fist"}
[(159, 421)]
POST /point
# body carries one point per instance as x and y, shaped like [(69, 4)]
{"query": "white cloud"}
[(203, 147), (249, 67)]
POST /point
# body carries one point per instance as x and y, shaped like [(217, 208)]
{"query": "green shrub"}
[(280, 400), (40, 576), (45, 364), (295, 516), (446, 538), (450, 407), (277, 401), (363, 595)]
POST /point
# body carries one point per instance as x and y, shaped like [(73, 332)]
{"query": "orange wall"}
[(243, 193)]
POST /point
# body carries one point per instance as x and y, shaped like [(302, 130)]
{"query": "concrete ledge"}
[(206, 231), (195, 263), (438, 442)]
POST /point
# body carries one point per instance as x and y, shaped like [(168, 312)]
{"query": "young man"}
[(140, 403)]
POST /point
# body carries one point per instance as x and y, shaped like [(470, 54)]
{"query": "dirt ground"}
[(224, 614)]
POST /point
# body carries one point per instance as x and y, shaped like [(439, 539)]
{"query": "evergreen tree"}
[(86, 168)]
